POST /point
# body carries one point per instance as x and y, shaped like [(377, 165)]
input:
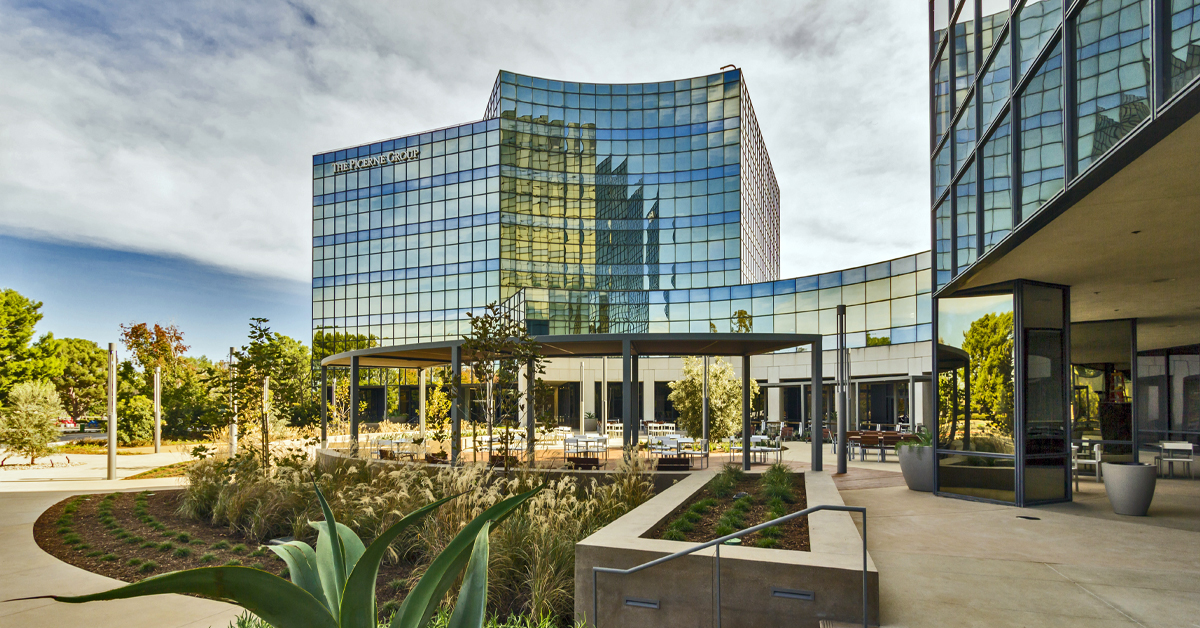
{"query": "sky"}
[(178, 136)]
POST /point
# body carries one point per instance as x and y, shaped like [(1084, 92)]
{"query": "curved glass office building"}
[(1064, 213), (589, 208)]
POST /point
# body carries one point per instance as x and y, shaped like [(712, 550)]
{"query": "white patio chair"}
[(1181, 452)]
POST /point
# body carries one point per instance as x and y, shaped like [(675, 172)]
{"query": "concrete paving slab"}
[(26, 570)]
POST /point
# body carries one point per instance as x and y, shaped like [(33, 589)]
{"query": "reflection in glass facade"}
[(1041, 139), (583, 208), (1183, 44), (1009, 117), (1112, 56)]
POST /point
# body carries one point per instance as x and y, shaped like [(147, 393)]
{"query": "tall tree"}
[(81, 385), (19, 360), (287, 362), (156, 346)]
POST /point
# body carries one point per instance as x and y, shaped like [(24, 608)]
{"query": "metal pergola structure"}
[(629, 346)]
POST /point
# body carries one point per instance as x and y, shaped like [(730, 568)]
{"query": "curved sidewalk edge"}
[(26, 570)]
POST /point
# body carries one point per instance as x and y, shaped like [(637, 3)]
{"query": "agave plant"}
[(333, 586)]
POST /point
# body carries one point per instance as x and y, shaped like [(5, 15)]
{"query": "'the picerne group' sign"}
[(394, 157)]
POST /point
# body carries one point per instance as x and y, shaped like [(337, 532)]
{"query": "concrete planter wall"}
[(916, 463), (681, 592), (1130, 486)]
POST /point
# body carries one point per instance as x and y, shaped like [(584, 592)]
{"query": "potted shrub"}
[(916, 461), (1130, 486)]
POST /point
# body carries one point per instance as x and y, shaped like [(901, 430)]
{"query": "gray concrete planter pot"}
[(917, 465), (1130, 486)]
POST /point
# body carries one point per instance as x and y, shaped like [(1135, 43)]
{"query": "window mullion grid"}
[(1014, 113)]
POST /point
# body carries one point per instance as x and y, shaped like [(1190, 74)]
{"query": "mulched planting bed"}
[(794, 533), (132, 536)]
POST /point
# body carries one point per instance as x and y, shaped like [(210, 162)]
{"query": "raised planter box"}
[(759, 587)]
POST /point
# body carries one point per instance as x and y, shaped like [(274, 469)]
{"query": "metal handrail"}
[(736, 535)]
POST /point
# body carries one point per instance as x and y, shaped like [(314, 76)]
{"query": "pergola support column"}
[(530, 413), (354, 405), (818, 412), (746, 412), (324, 407), (626, 394)]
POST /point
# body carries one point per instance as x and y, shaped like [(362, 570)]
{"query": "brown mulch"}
[(98, 542), (795, 532)]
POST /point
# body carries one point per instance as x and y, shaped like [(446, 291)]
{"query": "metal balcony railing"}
[(717, 544)]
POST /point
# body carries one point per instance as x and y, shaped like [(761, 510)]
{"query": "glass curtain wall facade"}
[(594, 194), (1026, 97)]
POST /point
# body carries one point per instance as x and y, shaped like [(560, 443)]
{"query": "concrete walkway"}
[(949, 562), (26, 570), (94, 468)]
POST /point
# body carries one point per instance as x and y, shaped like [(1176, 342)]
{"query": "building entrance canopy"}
[(629, 346)]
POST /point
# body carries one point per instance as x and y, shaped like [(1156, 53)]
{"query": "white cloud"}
[(188, 130)]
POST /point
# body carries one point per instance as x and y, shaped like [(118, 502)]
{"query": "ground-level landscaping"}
[(734, 501), (231, 508)]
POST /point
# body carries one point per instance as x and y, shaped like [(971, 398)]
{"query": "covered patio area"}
[(630, 347)]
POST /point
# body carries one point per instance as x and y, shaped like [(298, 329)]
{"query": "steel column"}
[(324, 406), (746, 412), (112, 410), (354, 405), (818, 418)]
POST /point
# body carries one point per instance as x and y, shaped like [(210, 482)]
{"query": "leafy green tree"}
[(497, 350), (194, 400), (135, 420), (81, 385), (29, 422), (19, 360), (287, 363), (989, 343), (724, 398), (325, 344)]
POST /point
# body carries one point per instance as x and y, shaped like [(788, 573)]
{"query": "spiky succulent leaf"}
[(423, 600), (472, 597), (275, 600), (358, 598), (302, 567)]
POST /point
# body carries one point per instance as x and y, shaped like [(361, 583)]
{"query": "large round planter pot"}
[(916, 463), (1130, 486)]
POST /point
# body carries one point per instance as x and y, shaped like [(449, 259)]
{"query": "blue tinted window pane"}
[(965, 218), (1184, 44), (941, 171), (943, 250), (992, 19), (964, 52), (964, 136), (1035, 24), (941, 96), (997, 186), (1112, 57), (995, 85), (1042, 136)]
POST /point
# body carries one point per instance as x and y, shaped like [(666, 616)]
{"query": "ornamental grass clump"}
[(333, 585), (532, 561)]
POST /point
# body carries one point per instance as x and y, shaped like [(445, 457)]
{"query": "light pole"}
[(233, 426), (157, 408), (112, 410)]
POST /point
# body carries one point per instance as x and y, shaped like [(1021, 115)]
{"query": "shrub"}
[(29, 423), (183, 552), (208, 558), (220, 545), (133, 562), (148, 566), (166, 546), (238, 549), (183, 537)]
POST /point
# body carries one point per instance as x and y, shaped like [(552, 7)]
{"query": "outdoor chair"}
[(1173, 452), (698, 450), (1078, 461)]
